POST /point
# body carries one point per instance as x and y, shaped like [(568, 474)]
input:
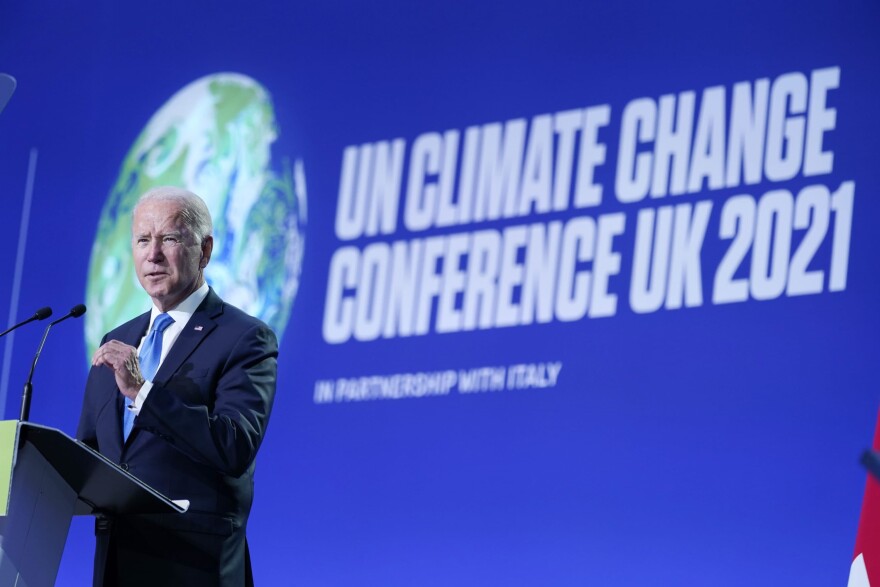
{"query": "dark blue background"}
[(714, 445)]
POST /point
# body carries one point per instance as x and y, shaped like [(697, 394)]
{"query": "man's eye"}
[(169, 240)]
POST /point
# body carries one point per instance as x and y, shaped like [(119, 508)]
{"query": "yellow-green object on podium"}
[(8, 437)]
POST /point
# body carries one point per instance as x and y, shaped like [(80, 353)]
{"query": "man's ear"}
[(207, 248)]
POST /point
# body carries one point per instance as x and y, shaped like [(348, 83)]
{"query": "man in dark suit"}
[(180, 397)]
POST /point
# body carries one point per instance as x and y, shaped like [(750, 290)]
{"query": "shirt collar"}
[(185, 309)]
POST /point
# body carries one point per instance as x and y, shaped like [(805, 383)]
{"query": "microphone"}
[(75, 312), (40, 314)]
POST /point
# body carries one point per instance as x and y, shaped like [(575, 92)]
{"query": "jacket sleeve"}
[(93, 403), (225, 433)]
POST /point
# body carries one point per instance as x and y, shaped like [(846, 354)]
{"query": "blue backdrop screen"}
[(567, 293)]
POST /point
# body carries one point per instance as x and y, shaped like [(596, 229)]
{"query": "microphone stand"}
[(76, 312), (28, 387)]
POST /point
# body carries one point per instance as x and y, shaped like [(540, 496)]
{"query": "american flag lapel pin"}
[(198, 329)]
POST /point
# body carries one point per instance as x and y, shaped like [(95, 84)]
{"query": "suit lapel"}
[(136, 330), (199, 326)]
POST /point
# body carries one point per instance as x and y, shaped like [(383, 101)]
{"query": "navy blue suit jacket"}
[(196, 438)]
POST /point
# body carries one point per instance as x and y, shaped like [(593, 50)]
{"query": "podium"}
[(46, 478)]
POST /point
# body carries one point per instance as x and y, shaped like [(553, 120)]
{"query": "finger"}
[(100, 357), (110, 357)]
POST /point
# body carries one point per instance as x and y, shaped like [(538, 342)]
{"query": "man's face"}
[(168, 258)]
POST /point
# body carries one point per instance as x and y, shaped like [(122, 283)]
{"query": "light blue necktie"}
[(151, 354)]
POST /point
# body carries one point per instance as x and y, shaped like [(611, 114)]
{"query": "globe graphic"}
[(213, 137)]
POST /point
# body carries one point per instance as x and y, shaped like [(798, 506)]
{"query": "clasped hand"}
[(122, 359)]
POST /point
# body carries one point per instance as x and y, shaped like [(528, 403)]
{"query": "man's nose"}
[(155, 251)]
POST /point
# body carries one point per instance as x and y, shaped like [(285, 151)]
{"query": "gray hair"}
[(193, 212)]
